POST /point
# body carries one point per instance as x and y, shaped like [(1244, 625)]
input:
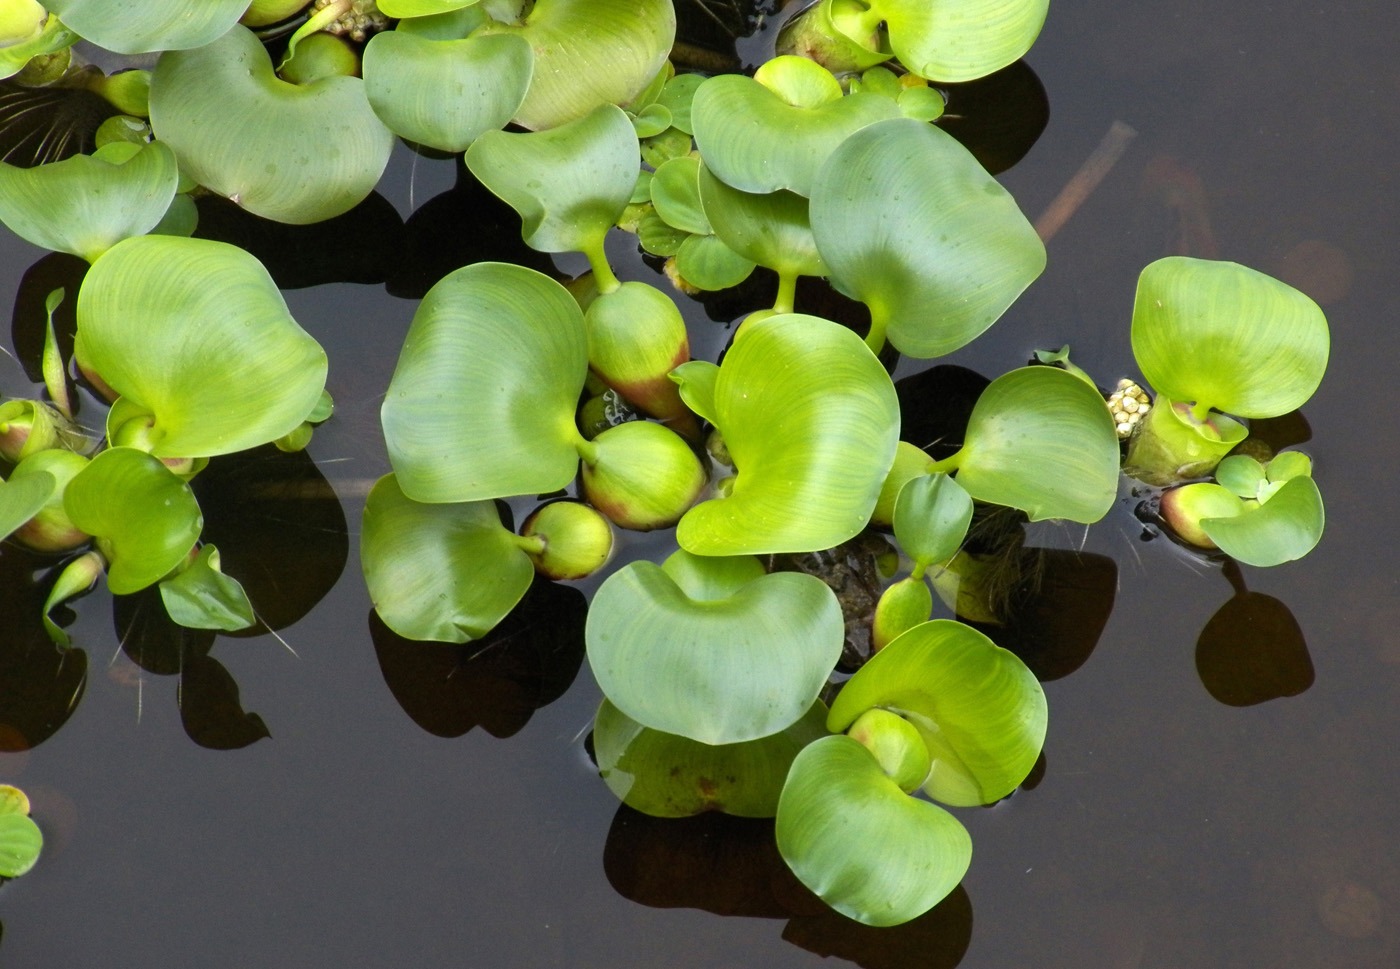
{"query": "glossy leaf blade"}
[(668, 776), (979, 709), (1286, 527), (23, 499), (772, 230), (569, 184), (87, 203), (21, 841), (911, 225), (754, 141), (962, 39), (196, 334), (717, 671), (870, 851), (811, 421), (421, 8), (590, 52), (203, 597), (139, 26), (931, 517), (288, 152), (1041, 439), (145, 519), (1227, 336), (481, 404), (444, 573), (445, 94)]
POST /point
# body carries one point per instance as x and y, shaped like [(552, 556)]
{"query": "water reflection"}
[(731, 866), (279, 528), (211, 711), (497, 682), (28, 324), (1252, 649), (40, 684), (360, 246)]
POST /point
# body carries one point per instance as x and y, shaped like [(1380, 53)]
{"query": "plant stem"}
[(875, 339), (587, 450), (598, 259), (787, 290), (1200, 411), (531, 544), (948, 464)]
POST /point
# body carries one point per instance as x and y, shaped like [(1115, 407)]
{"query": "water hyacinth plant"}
[(716, 662)]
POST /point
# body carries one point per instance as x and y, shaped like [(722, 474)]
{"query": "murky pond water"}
[(415, 811)]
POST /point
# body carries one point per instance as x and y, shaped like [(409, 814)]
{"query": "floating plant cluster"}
[(827, 162)]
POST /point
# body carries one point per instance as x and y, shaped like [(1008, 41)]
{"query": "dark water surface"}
[(1169, 829)]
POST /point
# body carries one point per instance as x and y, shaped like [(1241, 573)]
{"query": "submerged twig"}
[(1090, 174)]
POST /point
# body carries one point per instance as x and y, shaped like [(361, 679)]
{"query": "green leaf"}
[(445, 93), (449, 24), (755, 141), (719, 671), (21, 500), (21, 841), (811, 421), (1287, 465), (651, 121), (912, 225), (696, 379), (13, 800), (771, 230), (481, 404), (590, 52), (52, 39), (658, 238), (296, 153), (1224, 336), (78, 576), (902, 606), (921, 103), (668, 776), (959, 40), (979, 709), (931, 517), (678, 96), (569, 184), (139, 26), (87, 203), (202, 597), (421, 8), (705, 578), (145, 519), (445, 572), (868, 849), (195, 334), (1241, 474), (1286, 527), (675, 191), (707, 263), (1041, 440)]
